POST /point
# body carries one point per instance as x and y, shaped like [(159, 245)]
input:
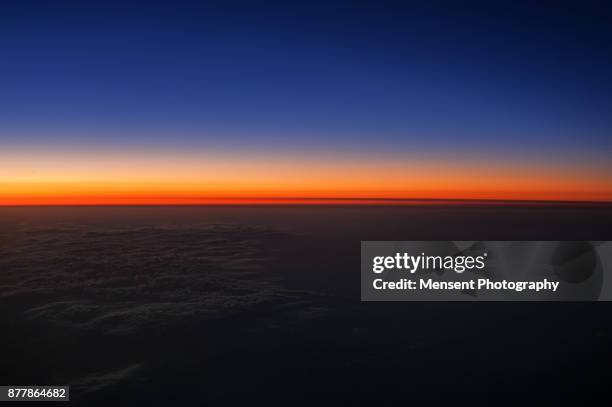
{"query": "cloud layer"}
[(117, 280)]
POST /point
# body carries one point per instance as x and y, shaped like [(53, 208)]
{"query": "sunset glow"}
[(158, 178), (121, 111)]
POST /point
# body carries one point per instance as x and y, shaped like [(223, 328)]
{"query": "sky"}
[(197, 102)]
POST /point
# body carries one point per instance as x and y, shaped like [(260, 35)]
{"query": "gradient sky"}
[(191, 102)]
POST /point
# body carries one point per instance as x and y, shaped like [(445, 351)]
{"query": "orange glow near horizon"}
[(199, 178)]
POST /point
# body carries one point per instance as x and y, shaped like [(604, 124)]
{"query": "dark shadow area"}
[(227, 305)]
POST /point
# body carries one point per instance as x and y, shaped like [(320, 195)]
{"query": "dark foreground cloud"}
[(119, 280)]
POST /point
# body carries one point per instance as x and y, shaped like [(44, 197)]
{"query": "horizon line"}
[(309, 201)]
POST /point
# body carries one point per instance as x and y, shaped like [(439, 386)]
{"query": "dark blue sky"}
[(335, 75)]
